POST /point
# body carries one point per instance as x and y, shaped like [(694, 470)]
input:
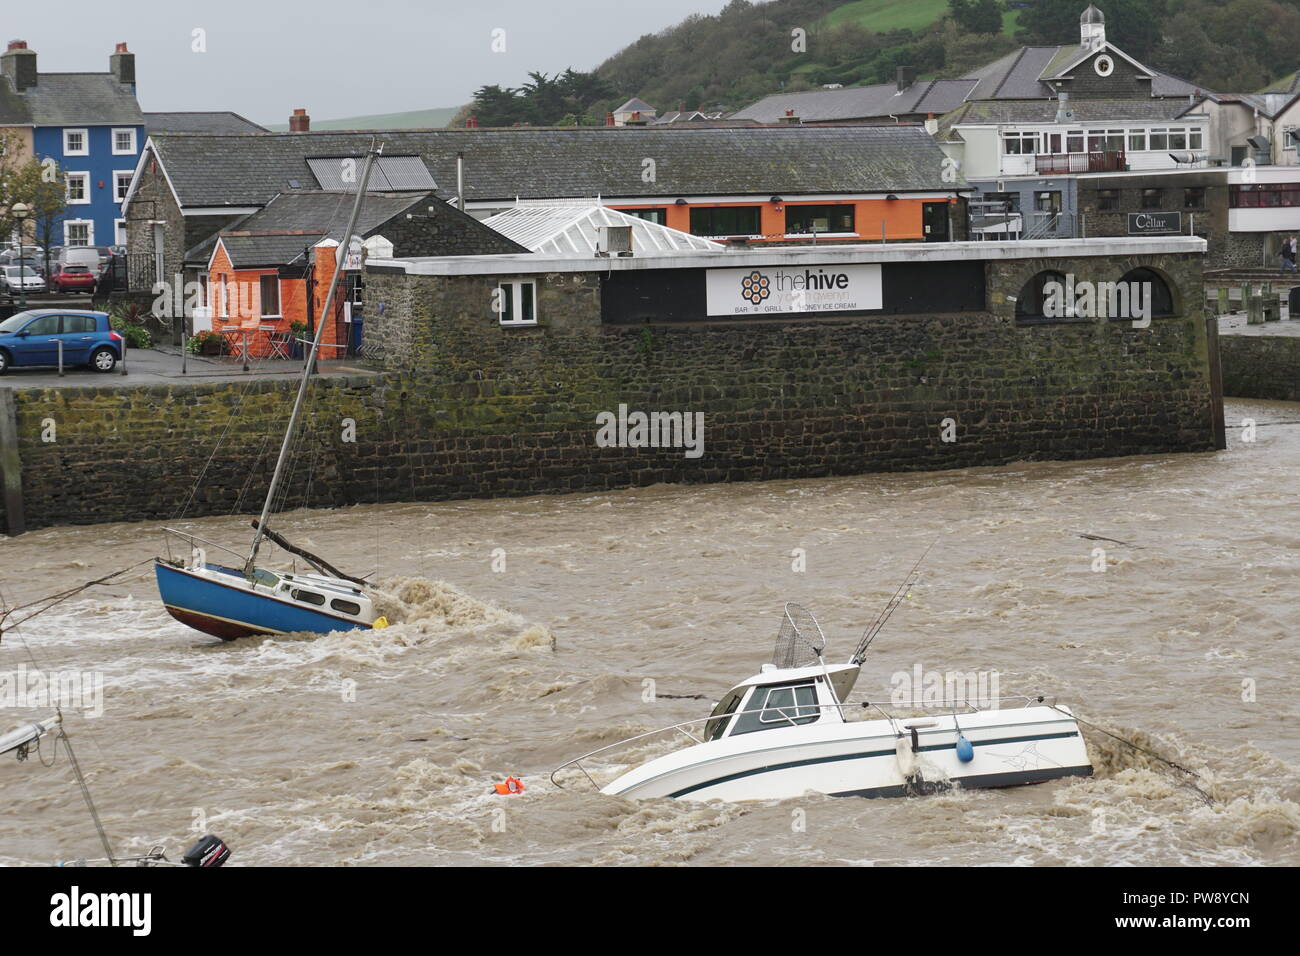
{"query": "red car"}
[(65, 278)]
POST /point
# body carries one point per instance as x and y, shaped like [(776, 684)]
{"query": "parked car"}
[(70, 278), (16, 279), (32, 338), (31, 265)]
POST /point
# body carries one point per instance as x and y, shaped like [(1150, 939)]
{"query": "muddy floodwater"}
[(529, 631)]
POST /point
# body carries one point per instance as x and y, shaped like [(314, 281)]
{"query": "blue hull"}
[(231, 612)]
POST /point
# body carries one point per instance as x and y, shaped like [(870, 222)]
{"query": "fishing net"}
[(800, 641)]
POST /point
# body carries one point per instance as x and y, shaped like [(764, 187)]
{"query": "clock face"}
[(1104, 65)]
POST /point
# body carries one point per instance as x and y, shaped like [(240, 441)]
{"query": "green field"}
[(414, 119), (882, 15)]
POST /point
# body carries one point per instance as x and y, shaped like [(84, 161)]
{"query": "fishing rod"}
[(891, 605)]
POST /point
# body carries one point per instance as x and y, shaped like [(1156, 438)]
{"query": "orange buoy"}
[(512, 787)]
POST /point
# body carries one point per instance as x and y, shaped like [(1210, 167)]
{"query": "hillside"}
[(745, 51)]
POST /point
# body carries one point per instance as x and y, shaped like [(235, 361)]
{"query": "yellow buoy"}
[(380, 623)]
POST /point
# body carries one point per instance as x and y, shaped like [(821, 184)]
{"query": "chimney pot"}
[(18, 44), (471, 123), (299, 121), (121, 48), (609, 119)]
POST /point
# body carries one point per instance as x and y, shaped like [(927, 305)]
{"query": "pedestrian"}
[(1288, 254)]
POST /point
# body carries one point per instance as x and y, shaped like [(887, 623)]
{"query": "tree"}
[(37, 184), (1132, 25), (977, 16)]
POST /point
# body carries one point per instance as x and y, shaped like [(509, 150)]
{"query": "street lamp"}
[(20, 212)]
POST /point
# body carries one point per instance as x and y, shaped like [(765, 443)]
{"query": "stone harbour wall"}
[(467, 408)]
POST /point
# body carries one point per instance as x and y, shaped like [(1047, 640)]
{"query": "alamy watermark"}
[(1097, 300), (931, 688), (626, 429), (28, 689)]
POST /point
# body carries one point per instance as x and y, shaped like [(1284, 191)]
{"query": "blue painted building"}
[(88, 123)]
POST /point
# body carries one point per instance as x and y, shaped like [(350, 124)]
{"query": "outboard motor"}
[(208, 851)]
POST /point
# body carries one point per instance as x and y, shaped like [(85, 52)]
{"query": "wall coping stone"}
[(794, 256)]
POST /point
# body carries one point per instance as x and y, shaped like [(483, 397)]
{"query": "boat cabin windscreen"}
[(720, 718), (778, 705)]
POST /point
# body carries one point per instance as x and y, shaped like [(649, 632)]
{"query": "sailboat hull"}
[(220, 601)]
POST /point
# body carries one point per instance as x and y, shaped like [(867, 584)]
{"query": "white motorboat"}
[(788, 730)]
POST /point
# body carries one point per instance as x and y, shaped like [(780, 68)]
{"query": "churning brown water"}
[(382, 747)]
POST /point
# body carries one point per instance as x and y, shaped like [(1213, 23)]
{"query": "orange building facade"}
[(838, 219), (259, 305)]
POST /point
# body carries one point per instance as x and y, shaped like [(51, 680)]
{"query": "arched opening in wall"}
[(1032, 301), (1156, 290)]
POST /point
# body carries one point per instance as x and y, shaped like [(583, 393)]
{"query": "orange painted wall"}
[(901, 217), (246, 301)]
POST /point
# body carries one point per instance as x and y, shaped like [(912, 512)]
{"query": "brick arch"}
[(1177, 298)]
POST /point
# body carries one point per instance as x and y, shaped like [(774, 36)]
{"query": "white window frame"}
[(1031, 138), (119, 232), (85, 143), (90, 232), (516, 319), (124, 152), (120, 189), (84, 178)]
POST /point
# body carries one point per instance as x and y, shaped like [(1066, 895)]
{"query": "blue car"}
[(33, 337)]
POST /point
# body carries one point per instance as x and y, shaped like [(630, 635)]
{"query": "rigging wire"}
[(897, 598)]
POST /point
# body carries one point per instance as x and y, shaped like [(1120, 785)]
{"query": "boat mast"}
[(371, 153)]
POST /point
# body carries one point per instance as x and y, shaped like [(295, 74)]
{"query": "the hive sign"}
[(773, 290)]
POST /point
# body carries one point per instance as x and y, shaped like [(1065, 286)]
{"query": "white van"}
[(87, 256)]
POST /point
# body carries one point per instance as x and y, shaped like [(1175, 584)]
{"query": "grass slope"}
[(883, 15)]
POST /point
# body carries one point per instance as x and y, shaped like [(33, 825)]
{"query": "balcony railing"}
[(1098, 162)]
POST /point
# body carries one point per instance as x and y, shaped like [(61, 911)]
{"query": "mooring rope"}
[(1209, 800), (58, 598)]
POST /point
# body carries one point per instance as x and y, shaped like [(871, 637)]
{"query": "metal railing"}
[(189, 539), (1096, 161), (948, 707)]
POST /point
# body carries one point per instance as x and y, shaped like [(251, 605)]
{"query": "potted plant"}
[(207, 342), (298, 330)]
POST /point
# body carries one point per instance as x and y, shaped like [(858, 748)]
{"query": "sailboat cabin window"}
[(515, 302), (347, 607), (308, 597)]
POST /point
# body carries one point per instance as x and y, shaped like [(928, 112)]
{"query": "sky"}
[(335, 58)]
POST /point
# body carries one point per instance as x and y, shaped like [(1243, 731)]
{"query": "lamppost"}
[(20, 212)]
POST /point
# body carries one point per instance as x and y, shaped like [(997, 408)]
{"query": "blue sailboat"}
[(239, 599)]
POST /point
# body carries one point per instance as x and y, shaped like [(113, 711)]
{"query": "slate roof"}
[(505, 164), (635, 105), (1286, 84), (1019, 75), (279, 233), (1268, 104), (571, 229), (861, 102), (1022, 74), (71, 99), (200, 122)]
